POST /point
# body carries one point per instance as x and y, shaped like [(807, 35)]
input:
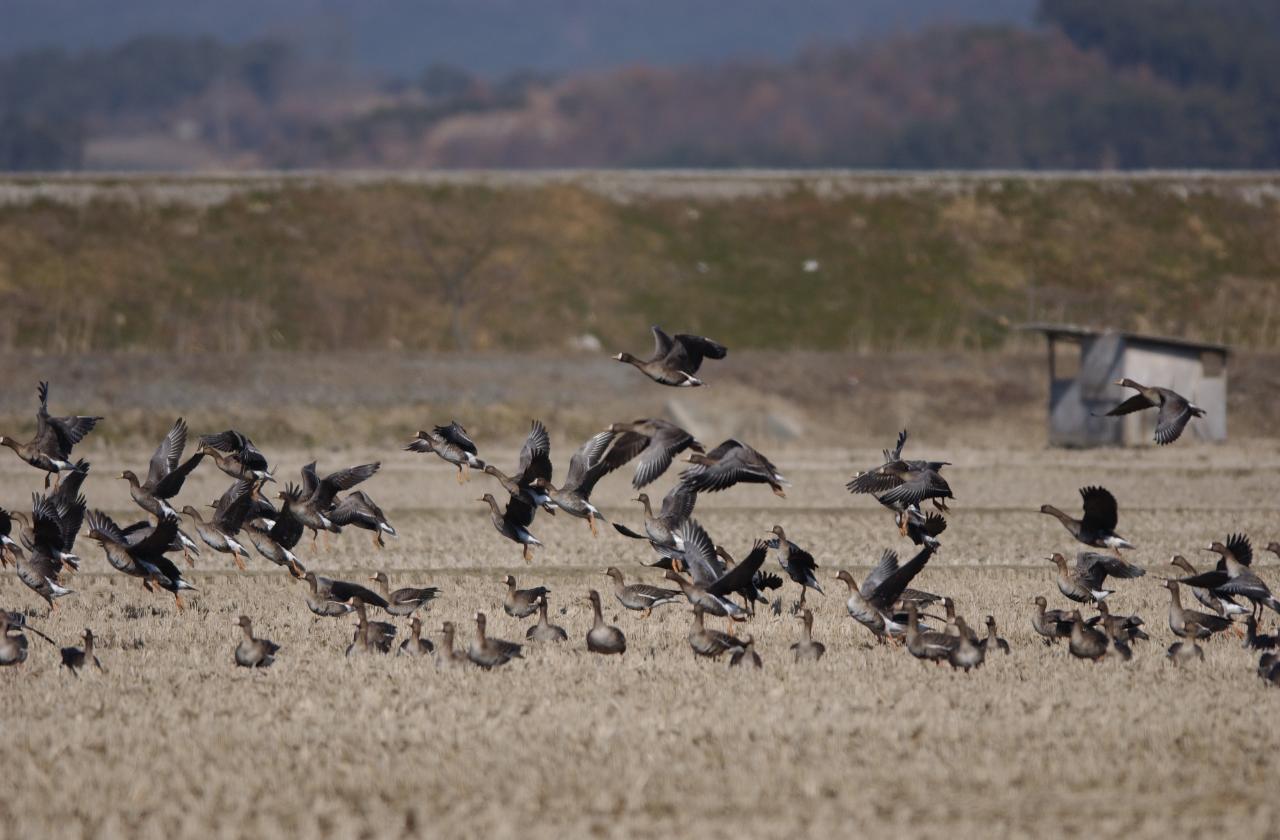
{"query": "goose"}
[(513, 522), (50, 449), (7, 545), (640, 596), (713, 582), (13, 645), (332, 598), (899, 483), (1268, 668), (229, 514), (452, 444), (710, 643), (807, 650), (404, 601), (447, 658), (535, 463), (921, 529), (415, 645), (1187, 651), (53, 529), (74, 658), (656, 441), (1097, 527), (761, 581), (1258, 641), (993, 640), (1233, 575), (587, 466), (276, 538), (1222, 605), (1127, 628), (926, 645), (521, 603), (145, 558), (166, 473), (316, 499), (746, 655), (1175, 410), (1086, 642), (730, 463), (663, 531), (544, 631), (676, 358), (603, 638), (253, 652), (54, 532), (360, 511), (1083, 582), (378, 635), (1182, 621), (796, 562), (234, 454), (488, 652), (871, 604), (966, 653), (1119, 645)]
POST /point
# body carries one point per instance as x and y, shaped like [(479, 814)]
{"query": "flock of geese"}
[(702, 572)]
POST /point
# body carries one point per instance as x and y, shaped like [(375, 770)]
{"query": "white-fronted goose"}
[(1180, 620), (730, 463), (55, 521), (663, 531), (1268, 668), (993, 642), (219, 533), (753, 593), (415, 645), (318, 496), (165, 475), (488, 652), (713, 582), (1255, 640), (360, 511), (1127, 628), (1223, 605), (74, 658), (807, 650), (13, 645), (1187, 651), (535, 464), (7, 546), (710, 643), (1175, 410), (513, 522), (44, 569), (920, 528), (521, 603), (871, 604), (967, 653), (448, 657), (1233, 575), (253, 652), (676, 358), (405, 601), (453, 446), (746, 656), (331, 598), (276, 538), (375, 635), (144, 559), (603, 638), (50, 449), (1097, 528), (926, 645), (656, 441), (796, 562), (545, 631), (235, 455), (1083, 582), (586, 467), (640, 596), (899, 483), (1086, 642), (1119, 645)]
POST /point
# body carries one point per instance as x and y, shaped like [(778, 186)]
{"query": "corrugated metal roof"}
[(1075, 331)]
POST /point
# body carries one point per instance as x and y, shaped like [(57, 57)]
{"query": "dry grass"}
[(175, 740)]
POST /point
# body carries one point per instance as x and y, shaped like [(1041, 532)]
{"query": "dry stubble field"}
[(175, 740)]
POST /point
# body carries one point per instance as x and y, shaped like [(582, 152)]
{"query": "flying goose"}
[(713, 582), (360, 511), (229, 514), (276, 538), (730, 463), (1222, 605), (50, 449), (145, 558), (1175, 410), (317, 497), (676, 358), (1097, 527), (1083, 582), (656, 441), (535, 463), (234, 454), (587, 466), (452, 444), (1233, 575), (513, 522), (900, 483), (871, 604), (166, 473), (663, 531)]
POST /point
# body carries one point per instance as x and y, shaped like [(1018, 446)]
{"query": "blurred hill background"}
[(151, 85)]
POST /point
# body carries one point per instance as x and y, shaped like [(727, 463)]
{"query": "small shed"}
[(1085, 364)]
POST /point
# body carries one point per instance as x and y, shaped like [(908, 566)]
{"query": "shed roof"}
[(1076, 332)]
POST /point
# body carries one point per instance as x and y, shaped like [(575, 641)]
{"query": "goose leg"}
[(591, 520), (528, 555), (177, 600), (460, 477)]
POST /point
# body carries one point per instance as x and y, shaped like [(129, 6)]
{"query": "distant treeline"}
[(1098, 84)]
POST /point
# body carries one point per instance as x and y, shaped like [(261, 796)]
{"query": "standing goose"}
[(1097, 527), (1175, 410), (50, 449), (535, 464), (145, 558), (807, 650), (448, 658), (603, 638), (1126, 628), (360, 511), (586, 467), (488, 652), (228, 518), (1052, 625), (404, 601), (513, 522), (332, 598), (317, 497), (1181, 621), (640, 596), (746, 656), (871, 605), (796, 562), (376, 634), (235, 455), (1233, 575), (74, 658), (521, 603), (926, 645), (1221, 604), (710, 643), (993, 640), (13, 645), (1086, 642), (415, 645), (1253, 640), (663, 531), (165, 475), (656, 441), (966, 653), (899, 483), (452, 444), (253, 652), (1187, 651), (730, 463), (1083, 582), (545, 631), (676, 358)]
